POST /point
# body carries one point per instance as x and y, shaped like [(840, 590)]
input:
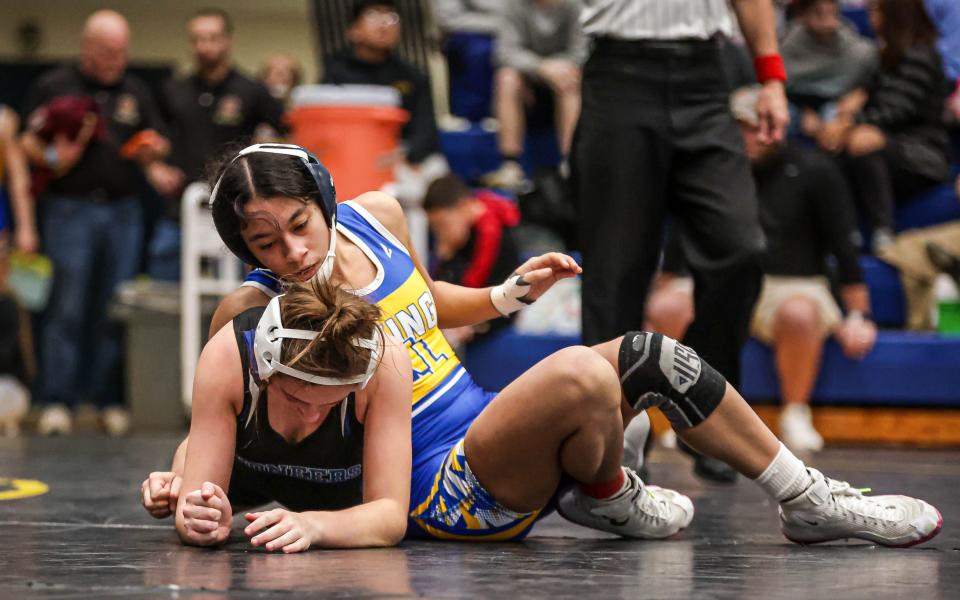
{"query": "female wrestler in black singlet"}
[(305, 402)]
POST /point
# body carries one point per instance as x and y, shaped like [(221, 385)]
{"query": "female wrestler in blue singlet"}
[(485, 465)]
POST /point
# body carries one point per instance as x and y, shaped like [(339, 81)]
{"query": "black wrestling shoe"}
[(708, 468)]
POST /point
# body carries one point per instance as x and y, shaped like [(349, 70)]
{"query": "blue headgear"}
[(327, 201)]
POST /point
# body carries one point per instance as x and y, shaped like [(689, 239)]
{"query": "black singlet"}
[(321, 472)]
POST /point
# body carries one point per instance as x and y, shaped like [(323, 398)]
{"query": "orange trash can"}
[(356, 142)]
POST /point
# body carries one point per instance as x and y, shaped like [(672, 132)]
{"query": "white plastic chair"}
[(200, 242)]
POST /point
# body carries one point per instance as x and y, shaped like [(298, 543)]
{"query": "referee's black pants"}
[(656, 137)]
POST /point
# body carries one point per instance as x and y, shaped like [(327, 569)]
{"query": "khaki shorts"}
[(777, 290)]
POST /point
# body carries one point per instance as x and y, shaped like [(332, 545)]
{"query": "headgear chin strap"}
[(327, 195), (267, 348), (326, 267)]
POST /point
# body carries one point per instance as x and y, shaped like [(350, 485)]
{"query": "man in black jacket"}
[(370, 59)]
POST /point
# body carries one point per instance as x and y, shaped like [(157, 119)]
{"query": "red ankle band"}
[(604, 489)]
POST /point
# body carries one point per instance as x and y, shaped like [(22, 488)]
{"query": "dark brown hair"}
[(905, 24), (798, 7), (257, 175), (445, 192), (221, 14), (340, 317), (361, 6)]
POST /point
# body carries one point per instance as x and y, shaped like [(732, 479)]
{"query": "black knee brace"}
[(659, 371)]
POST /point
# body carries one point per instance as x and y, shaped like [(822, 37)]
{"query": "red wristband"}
[(769, 67)]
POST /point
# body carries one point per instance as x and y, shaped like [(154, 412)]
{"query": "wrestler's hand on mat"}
[(160, 492), (541, 272), (280, 530), (207, 515)]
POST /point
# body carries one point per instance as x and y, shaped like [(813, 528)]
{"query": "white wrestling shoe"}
[(797, 431), (55, 420), (639, 511), (832, 510)]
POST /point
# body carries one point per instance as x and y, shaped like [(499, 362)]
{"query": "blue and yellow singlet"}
[(446, 499)]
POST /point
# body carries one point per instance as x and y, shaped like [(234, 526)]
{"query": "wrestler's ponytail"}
[(341, 318)]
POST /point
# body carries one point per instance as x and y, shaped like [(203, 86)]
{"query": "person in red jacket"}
[(471, 229), (473, 245)]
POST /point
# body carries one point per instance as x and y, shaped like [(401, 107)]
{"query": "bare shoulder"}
[(386, 209), (395, 354), (219, 372), (235, 303), (394, 362), (393, 381)]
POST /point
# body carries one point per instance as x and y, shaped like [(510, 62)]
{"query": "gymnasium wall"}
[(260, 28)]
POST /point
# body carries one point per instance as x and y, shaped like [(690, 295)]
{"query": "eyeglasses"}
[(382, 17)]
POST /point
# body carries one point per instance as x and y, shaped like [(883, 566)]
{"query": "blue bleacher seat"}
[(904, 369), (860, 18), (469, 58), (933, 207), (886, 292), (473, 152)]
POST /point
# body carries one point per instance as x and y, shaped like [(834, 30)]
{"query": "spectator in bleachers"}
[(280, 74), (469, 16), (16, 356), (15, 198), (16, 353), (469, 29), (370, 59), (945, 15), (473, 241), (807, 214), (471, 231), (212, 107), (895, 142), (826, 59), (93, 224), (538, 53), (920, 255)]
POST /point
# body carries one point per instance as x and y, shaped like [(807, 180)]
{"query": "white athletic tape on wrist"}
[(511, 295)]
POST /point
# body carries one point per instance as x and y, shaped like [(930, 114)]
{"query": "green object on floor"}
[(949, 321)]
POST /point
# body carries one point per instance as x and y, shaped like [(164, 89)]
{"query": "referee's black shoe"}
[(708, 468)]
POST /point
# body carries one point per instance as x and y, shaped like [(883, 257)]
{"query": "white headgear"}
[(267, 347)]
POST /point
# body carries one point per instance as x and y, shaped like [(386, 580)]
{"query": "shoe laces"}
[(647, 501), (868, 509)]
